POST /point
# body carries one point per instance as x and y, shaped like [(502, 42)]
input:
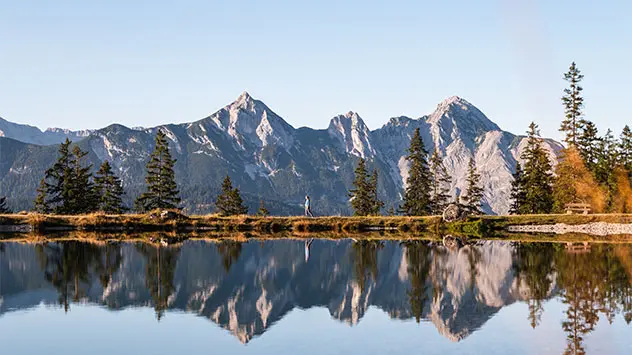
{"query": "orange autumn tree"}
[(574, 183), (622, 200)]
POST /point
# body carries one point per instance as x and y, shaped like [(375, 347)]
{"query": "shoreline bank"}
[(477, 226)]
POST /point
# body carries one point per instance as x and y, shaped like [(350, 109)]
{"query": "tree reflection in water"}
[(230, 251), (533, 267), (71, 266), (160, 269), (418, 254), (591, 283), (364, 256), (457, 290)]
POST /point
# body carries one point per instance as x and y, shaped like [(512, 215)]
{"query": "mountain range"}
[(267, 158)]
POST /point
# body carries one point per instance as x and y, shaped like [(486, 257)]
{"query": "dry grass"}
[(152, 223)]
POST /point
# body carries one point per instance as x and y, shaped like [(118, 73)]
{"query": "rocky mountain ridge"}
[(33, 135), (268, 158)]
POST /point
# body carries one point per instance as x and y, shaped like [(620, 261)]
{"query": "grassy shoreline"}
[(489, 226), (152, 222)]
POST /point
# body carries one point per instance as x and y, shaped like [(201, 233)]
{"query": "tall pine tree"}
[(573, 102), (473, 199), (59, 182), (229, 202), (517, 191), (109, 190), (440, 183), (162, 190), (588, 145), (418, 185), (376, 203), (537, 175), (84, 199), (604, 169), (3, 206)]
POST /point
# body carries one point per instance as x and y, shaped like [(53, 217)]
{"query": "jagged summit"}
[(460, 113), (247, 103), (268, 158), (454, 100), (352, 133)]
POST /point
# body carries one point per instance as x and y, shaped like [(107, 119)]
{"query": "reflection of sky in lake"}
[(216, 297), (95, 330)]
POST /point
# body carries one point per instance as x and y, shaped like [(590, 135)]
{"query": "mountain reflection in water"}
[(247, 287)]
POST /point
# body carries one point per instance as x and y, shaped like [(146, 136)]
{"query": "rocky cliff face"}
[(268, 158)]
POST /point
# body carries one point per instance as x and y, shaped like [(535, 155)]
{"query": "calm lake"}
[(323, 297)]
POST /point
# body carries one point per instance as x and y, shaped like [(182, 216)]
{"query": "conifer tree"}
[(59, 182), (517, 191), (361, 196), (84, 199), (162, 190), (472, 201), (41, 204), (625, 149), (440, 183), (67, 186), (229, 201), (604, 168), (3, 206), (588, 145), (263, 211), (537, 177), (376, 203), (573, 102), (109, 190), (418, 185)]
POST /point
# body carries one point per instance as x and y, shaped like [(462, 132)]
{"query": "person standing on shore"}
[(308, 207)]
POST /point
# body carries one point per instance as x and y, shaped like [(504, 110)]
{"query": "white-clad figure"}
[(308, 244), (308, 207)]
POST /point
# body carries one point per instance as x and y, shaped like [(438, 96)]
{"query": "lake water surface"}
[(323, 297)]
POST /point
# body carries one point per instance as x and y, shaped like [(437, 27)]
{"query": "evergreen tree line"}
[(427, 190), (70, 187), (592, 169)]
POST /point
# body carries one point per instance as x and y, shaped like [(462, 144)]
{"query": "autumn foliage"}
[(622, 201), (574, 183)]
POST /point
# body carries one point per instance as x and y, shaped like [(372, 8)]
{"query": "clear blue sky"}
[(86, 64)]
